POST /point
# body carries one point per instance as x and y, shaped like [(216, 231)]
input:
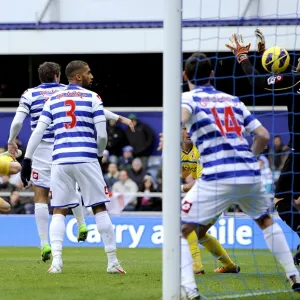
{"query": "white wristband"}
[(181, 187)]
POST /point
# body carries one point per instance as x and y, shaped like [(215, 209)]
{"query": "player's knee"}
[(4, 206), (186, 229), (99, 208), (264, 221), (60, 211), (14, 167)]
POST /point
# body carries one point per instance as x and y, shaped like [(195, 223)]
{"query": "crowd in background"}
[(128, 168)]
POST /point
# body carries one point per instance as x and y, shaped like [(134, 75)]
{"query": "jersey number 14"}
[(231, 124)]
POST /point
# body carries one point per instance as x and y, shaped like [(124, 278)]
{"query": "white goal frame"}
[(172, 80)]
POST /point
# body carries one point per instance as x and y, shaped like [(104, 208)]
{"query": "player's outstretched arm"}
[(109, 115), (34, 141)]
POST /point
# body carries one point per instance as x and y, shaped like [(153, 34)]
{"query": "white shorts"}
[(90, 181), (208, 199), (41, 165)]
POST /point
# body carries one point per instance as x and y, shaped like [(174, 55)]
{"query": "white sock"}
[(57, 232), (187, 273), (106, 230), (78, 211), (41, 212), (277, 244)]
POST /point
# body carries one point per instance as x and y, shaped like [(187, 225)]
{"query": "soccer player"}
[(8, 166), (217, 124), (192, 168), (32, 102), (287, 193), (76, 114)]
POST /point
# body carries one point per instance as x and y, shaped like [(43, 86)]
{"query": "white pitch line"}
[(236, 296)]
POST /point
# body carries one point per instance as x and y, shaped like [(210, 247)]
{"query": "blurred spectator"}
[(137, 171), (105, 162), (126, 185), (116, 139), (159, 180), (278, 154), (15, 202), (112, 176), (147, 202), (141, 140), (2, 150), (127, 158), (266, 173)]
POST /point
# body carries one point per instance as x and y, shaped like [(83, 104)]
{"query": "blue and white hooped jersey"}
[(74, 113), (32, 102), (217, 126)]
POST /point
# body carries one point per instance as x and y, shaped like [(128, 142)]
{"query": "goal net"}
[(207, 26)]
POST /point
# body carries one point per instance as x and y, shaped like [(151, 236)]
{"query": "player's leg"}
[(199, 206), (40, 178), (193, 242), (63, 196), (213, 246), (256, 204), (92, 186), (288, 190), (79, 215), (41, 212)]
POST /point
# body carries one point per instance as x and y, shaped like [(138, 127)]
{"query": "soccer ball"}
[(275, 60)]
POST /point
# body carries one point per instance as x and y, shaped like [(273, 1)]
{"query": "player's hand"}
[(12, 149), (261, 42), (160, 145), (127, 122), (237, 47), (26, 171)]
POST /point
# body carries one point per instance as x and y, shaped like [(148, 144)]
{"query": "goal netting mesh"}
[(206, 27)]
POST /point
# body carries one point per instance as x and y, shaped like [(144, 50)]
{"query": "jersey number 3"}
[(231, 124), (70, 113)]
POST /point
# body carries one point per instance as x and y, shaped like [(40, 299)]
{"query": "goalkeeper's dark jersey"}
[(285, 85)]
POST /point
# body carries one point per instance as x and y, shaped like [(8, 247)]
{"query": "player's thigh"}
[(41, 194), (253, 199), (63, 187), (41, 165), (5, 161), (204, 202), (91, 183)]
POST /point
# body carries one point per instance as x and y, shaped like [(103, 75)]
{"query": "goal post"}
[(172, 79)]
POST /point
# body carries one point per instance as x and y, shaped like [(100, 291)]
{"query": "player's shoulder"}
[(187, 96), (196, 152)]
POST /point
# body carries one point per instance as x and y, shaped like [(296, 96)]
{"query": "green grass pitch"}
[(24, 277)]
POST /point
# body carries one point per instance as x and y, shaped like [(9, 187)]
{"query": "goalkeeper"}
[(287, 193)]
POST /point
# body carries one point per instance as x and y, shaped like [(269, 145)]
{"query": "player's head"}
[(198, 69), (186, 139), (78, 71), (49, 72)]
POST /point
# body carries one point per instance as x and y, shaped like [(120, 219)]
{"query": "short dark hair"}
[(73, 67), (198, 68), (48, 70)]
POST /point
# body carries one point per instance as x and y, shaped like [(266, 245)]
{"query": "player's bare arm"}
[(261, 140), (185, 115)]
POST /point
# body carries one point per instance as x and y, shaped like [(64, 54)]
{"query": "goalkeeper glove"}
[(261, 42), (26, 171), (237, 47)]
